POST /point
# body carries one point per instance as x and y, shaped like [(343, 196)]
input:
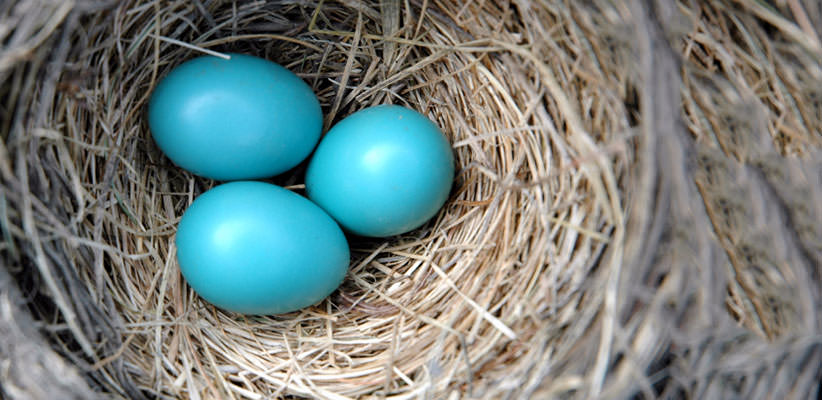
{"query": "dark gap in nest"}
[(30, 284), (49, 319), (770, 30), (631, 102), (705, 59), (661, 378)]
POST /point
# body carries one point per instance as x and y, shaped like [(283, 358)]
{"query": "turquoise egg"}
[(243, 118), (256, 248), (381, 171)]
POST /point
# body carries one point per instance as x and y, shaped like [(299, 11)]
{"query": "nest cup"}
[(575, 256)]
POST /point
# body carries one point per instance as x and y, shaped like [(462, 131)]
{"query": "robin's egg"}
[(381, 171), (256, 248), (242, 118)]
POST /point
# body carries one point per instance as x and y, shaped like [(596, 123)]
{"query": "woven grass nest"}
[(636, 211)]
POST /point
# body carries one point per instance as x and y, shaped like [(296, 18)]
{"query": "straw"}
[(636, 211)]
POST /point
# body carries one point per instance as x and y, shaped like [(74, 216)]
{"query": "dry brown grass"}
[(637, 207)]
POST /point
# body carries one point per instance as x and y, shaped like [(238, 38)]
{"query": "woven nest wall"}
[(636, 211)]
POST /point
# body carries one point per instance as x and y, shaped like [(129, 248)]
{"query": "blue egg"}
[(243, 118), (381, 171), (256, 248)]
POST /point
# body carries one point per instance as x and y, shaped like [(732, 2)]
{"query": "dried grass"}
[(637, 208)]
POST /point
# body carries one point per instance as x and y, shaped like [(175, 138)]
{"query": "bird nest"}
[(636, 207)]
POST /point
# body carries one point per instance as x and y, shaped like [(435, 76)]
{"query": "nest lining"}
[(428, 311), (544, 275)]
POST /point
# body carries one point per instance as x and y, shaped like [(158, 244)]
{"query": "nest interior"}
[(636, 209)]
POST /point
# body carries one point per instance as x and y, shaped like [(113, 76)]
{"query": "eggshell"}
[(243, 118), (256, 248), (381, 171)]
